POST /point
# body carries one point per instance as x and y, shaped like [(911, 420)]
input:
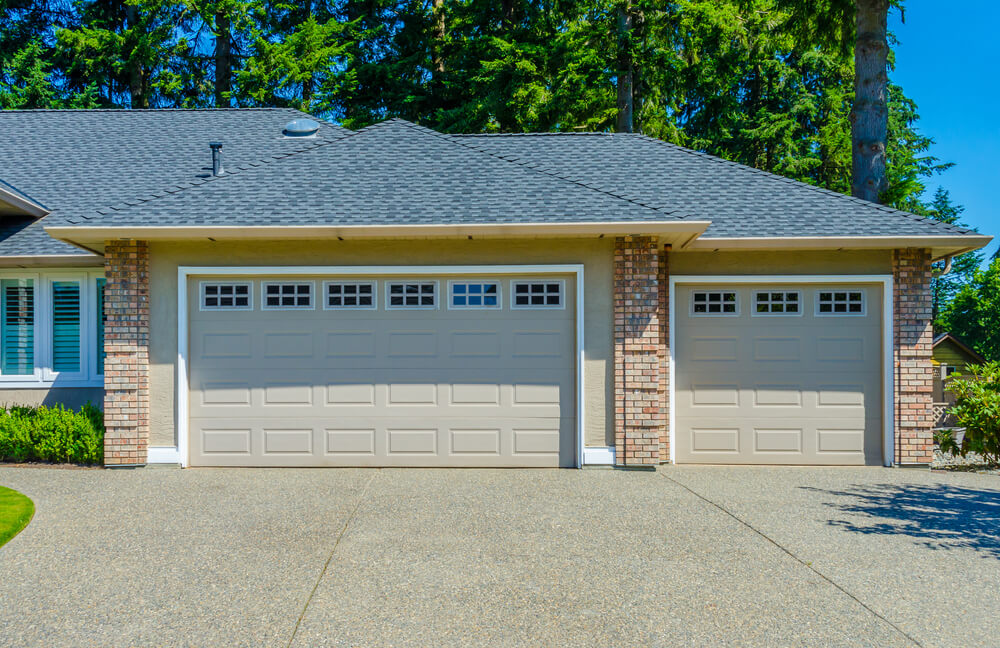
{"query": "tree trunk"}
[(223, 59), (870, 115), (437, 38), (138, 96), (624, 73)]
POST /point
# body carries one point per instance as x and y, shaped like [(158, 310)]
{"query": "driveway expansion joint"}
[(808, 565), (333, 550)]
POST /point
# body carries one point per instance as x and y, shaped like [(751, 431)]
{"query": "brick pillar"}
[(126, 348), (663, 285), (913, 343), (638, 351)]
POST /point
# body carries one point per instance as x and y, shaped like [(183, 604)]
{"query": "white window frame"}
[(43, 376), (388, 294), (864, 302), (326, 300), (201, 296), (455, 282), (735, 292), (885, 282), (513, 294), (271, 282), (764, 291)]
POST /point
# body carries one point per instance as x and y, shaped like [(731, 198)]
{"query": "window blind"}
[(101, 321), (66, 326), (17, 311)]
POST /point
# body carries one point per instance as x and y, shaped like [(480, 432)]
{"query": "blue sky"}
[(946, 61)]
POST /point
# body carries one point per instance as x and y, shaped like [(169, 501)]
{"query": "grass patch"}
[(16, 510)]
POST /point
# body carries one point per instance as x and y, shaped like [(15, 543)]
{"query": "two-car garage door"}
[(778, 373), (382, 371)]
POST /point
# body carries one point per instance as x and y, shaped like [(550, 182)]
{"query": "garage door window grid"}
[(777, 303), (293, 295), (411, 295), (715, 303), (537, 294), (226, 296), (473, 295), (350, 295), (840, 303)]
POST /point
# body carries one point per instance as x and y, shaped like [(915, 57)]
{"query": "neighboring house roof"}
[(72, 161), (953, 344)]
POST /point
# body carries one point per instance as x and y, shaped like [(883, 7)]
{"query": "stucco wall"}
[(595, 254), (71, 397)]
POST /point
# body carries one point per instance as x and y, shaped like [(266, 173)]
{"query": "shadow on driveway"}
[(937, 516)]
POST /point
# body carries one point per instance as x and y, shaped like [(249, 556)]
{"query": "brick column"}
[(639, 416), (126, 348), (913, 343), (663, 285)]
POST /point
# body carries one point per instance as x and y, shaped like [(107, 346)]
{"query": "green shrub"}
[(53, 434), (977, 409)]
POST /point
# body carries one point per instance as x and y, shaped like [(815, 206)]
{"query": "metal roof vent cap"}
[(301, 128)]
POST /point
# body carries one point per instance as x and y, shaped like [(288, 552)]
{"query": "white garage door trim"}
[(180, 453), (888, 405)]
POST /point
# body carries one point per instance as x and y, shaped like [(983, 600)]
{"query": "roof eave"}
[(940, 246), (677, 233), (12, 204)]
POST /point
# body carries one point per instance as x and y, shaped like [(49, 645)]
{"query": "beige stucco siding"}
[(781, 263), (595, 254), (70, 397)]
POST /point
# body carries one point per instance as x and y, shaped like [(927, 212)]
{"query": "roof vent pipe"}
[(217, 169)]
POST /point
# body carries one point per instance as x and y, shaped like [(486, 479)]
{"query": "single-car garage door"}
[(778, 374), (382, 371)]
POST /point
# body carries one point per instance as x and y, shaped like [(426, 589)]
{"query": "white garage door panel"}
[(382, 387), (788, 389)]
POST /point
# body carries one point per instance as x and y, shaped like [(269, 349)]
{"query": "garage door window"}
[(537, 294), (411, 295), (287, 295), (226, 296), (350, 295), (777, 303), (840, 302), (473, 295), (714, 303)]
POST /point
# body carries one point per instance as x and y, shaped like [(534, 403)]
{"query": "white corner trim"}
[(885, 281), (599, 456), (163, 455), (183, 272)]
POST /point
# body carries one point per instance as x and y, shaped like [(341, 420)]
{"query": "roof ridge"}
[(454, 140), (13, 111), (200, 182), (798, 183)]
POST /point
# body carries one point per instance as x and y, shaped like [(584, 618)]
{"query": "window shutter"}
[(102, 319), (66, 326), (17, 310)]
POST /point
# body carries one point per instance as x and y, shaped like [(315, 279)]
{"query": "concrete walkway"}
[(704, 556)]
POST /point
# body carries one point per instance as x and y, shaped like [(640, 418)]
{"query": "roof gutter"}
[(676, 232), (19, 205), (940, 246)]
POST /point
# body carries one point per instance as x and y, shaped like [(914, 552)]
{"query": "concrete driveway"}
[(689, 556)]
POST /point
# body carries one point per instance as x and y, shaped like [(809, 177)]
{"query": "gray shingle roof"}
[(74, 161), (740, 201), (393, 173)]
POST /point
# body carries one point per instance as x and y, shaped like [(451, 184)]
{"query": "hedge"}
[(53, 434)]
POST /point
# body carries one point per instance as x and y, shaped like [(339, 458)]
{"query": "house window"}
[(537, 294), (350, 295), (777, 302), (226, 296), (295, 295), (417, 294), (473, 295), (101, 318), (66, 326), (840, 302), (17, 336), (714, 302)]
